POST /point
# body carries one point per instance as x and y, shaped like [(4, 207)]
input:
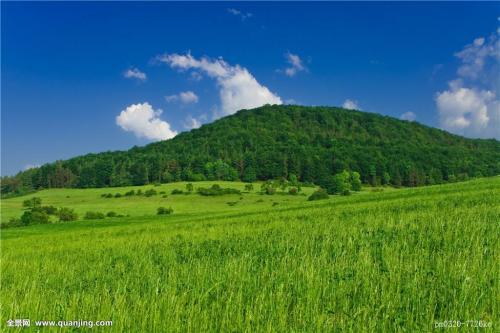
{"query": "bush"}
[(318, 195), (150, 193), (111, 214), (164, 211), (139, 192), (34, 217), (118, 195), (107, 195), (50, 210), (189, 187), (32, 203), (293, 191), (130, 193), (94, 216), (269, 190), (67, 214), (164, 196), (216, 190), (177, 191), (248, 187), (232, 203)]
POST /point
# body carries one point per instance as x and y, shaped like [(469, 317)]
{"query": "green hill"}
[(307, 143)]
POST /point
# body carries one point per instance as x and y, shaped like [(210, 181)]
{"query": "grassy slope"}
[(373, 262)]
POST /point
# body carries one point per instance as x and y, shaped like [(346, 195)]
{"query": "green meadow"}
[(383, 260)]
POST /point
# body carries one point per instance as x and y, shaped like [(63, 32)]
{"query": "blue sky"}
[(91, 77)]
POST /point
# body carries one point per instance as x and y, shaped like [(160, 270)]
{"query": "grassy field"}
[(392, 261)]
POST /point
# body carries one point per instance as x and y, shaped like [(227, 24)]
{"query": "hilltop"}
[(307, 143)]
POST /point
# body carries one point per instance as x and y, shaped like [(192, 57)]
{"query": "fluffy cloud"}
[(468, 111), (185, 97), (470, 105), (351, 104), (191, 123), (144, 122), (239, 13), (296, 64), (134, 73), (410, 116), (238, 88)]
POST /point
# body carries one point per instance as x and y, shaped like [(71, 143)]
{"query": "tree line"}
[(309, 144)]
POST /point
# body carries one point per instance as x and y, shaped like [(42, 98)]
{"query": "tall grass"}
[(380, 262)]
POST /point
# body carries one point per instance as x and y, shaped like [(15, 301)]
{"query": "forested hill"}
[(308, 143)]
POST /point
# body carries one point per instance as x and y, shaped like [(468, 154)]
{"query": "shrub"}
[(32, 203), (293, 191), (67, 214), (111, 214), (150, 193), (164, 196), (130, 193), (139, 192), (177, 191), (216, 190), (118, 195), (248, 187), (34, 217), (275, 204), (94, 216), (164, 211), (109, 195), (318, 195), (13, 222), (50, 210), (269, 190), (189, 187), (232, 203)]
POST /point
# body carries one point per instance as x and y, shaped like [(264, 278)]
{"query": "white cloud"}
[(134, 73), (296, 64), (145, 122), (410, 116), (351, 104), (470, 105), (468, 111), (31, 166), (191, 123), (239, 13), (238, 88), (185, 97)]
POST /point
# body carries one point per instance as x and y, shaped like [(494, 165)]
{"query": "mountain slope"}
[(310, 143)]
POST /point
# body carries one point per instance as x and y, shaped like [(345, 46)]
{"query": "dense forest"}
[(309, 144)]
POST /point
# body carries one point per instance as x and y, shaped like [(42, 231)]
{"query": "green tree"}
[(342, 183), (355, 180)]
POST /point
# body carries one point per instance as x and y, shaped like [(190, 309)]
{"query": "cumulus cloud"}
[(134, 73), (351, 104), (185, 97), (296, 64), (145, 122), (191, 123), (470, 106), (243, 16), (410, 116), (238, 88)]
